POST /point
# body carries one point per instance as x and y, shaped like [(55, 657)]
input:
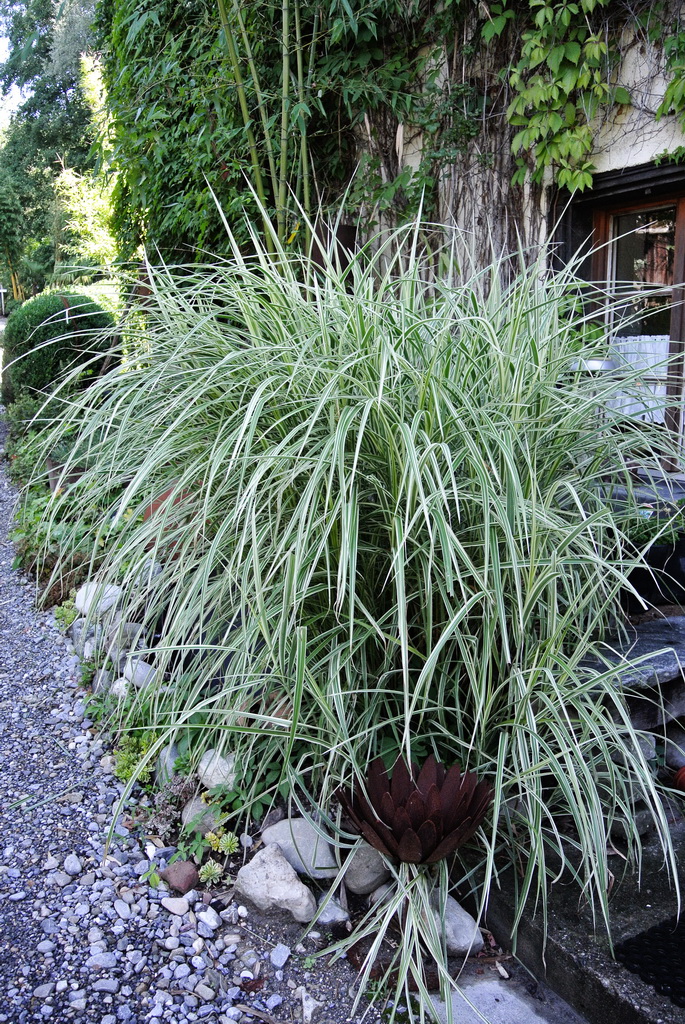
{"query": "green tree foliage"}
[(52, 127), (295, 97), (11, 234)]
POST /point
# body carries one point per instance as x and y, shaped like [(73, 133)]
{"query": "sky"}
[(12, 100)]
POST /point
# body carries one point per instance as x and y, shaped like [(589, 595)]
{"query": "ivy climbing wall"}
[(466, 109)]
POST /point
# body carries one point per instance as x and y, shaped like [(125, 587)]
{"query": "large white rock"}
[(216, 770), (365, 870), (271, 883), (139, 672), (93, 600), (462, 935), (302, 847)]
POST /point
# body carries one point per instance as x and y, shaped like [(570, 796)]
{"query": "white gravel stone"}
[(209, 917), (102, 961), (279, 955), (122, 909), (176, 905)]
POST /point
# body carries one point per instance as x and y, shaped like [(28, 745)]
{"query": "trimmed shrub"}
[(48, 335)]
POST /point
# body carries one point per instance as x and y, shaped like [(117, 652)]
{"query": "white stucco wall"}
[(633, 136)]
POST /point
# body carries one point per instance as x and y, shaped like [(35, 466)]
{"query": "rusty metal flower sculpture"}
[(418, 817)]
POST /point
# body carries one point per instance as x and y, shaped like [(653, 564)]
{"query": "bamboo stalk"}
[(263, 112), (247, 120), (304, 151), (285, 91)]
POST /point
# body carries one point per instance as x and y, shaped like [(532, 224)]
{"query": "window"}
[(649, 201), (642, 258)]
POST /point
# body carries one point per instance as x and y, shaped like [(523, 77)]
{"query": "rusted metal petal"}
[(377, 783), (416, 809), (428, 776), (401, 783), (428, 837), (409, 847)]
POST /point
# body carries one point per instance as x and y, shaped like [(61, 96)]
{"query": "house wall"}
[(633, 135)]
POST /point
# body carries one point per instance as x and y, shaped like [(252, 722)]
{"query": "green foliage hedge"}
[(47, 335)]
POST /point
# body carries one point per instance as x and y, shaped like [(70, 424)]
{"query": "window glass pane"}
[(642, 267)]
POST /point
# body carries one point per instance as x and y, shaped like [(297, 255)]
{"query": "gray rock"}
[(675, 746), (79, 632), (72, 865), (147, 574), (310, 1005), (365, 870), (332, 913), (204, 991), (106, 985), (271, 883), (43, 991), (462, 935), (120, 688), (124, 637), (279, 955), (91, 649), (164, 768), (102, 680), (93, 600), (216, 770), (139, 672), (381, 894), (123, 910), (204, 816), (302, 847)]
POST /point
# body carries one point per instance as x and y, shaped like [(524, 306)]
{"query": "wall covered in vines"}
[(463, 106)]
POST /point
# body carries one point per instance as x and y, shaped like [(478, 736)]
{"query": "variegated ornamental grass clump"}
[(392, 539)]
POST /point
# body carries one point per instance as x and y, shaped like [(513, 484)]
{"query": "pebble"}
[(102, 960), (72, 865), (279, 955), (176, 905)]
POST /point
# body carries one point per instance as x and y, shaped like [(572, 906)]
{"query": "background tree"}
[(52, 128), (11, 235)]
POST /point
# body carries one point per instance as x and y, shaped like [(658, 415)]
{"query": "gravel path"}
[(82, 936)]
